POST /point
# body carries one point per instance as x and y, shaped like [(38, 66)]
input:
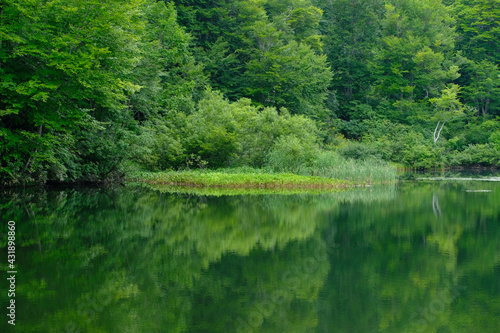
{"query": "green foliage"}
[(447, 105), (409, 64), (159, 144), (475, 132), (289, 154), (358, 151), (495, 139), (243, 177), (264, 50), (76, 79), (482, 86), (169, 77), (423, 156), (479, 154), (218, 133), (213, 130), (395, 60), (480, 132), (478, 25), (398, 143), (89, 89), (351, 30), (290, 76)]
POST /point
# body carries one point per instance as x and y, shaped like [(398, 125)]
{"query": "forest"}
[(94, 90)]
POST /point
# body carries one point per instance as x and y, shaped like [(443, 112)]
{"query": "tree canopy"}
[(92, 89)]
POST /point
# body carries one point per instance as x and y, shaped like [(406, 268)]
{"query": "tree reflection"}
[(369, 260)]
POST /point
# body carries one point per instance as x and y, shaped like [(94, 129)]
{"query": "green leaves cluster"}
[(92, 89), (268, 51), (71, 75), (409, 64), (219, 133)]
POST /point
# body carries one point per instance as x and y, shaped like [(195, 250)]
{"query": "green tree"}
[(64, 70), (414, 59), (290, 76), (169, 77), (78, 80), (478, 25), (264, 50), (447, 107), (482, 87), (351, 30)]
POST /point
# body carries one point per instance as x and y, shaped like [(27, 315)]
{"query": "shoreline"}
[(238, 178), (257, 180)]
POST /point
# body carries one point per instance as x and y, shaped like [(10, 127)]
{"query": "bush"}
[(495, 140), (262, 128), (289, 154), (158, 147), (405, 145), (358, 151), (212, 130), (220, 134), (482, 154), (102, 150), (480, 133), (422, 156)]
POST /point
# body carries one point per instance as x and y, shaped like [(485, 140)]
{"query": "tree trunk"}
[(436, 137)]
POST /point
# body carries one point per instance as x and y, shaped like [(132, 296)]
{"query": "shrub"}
[(219, 133), (421, 156), (261, 128), (480, 133), (358, 151), (212, 130), (102, 152), (289, 153), (482, 154), (158, 147), (495, 140)]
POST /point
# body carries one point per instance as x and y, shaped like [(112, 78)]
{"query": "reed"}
[(330, 164), (242, 177)]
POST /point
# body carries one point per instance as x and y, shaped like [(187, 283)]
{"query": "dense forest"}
[(91, 90)]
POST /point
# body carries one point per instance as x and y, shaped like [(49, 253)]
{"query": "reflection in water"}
[(366, 260), (435, 205)]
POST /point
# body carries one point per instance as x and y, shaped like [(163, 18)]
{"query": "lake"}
[(417, 256)]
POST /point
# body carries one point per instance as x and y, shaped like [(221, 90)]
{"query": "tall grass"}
[(325, 169), (236, 178), (331, 165)]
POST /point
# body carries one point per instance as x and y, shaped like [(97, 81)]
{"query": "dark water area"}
[(412, 257)]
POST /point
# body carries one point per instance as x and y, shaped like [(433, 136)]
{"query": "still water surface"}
[(412, 257)]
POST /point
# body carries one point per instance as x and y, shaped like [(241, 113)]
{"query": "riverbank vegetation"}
[(338, 89), (237, 179)]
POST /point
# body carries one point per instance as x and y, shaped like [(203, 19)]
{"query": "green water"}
[(412, 257)]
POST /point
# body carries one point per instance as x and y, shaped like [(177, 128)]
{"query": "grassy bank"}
[(329, 164), (237, 178), (370, 171)]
